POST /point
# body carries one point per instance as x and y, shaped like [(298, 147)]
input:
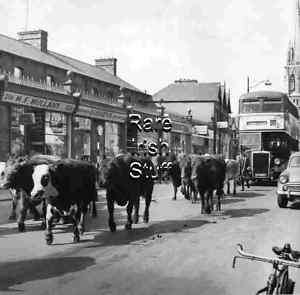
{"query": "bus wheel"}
[(282, 201)]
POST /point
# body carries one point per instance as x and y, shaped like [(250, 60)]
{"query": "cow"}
[(126, 178), (17, 177), (174, 172), (208, 174), (68, 186), (232, 173)]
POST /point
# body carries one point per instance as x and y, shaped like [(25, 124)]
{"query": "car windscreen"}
[(295, 162)]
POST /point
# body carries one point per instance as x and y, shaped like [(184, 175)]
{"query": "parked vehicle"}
[(278, 281), (288, 187)]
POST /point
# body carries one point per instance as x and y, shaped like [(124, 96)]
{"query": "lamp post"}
[(214, 126), (76, 97), (128, 108), (267, 82), (161, 114)]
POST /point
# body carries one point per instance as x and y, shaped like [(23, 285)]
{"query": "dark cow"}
[(126, 178), (17, 177), (174, 172), (208, 174), (68, 186)]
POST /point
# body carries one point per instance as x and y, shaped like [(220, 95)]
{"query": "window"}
[(272, 105), (82, 138), (250, 140), (56, 134), (49, 80), (95, 91), (292, 83), (18, 72), (250, 106), (17, 142), (112, 138)]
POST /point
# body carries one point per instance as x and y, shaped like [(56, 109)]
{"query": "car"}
[(288, 186)]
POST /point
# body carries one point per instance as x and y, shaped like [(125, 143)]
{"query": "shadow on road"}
[(152, 232), (235, 213), (249, 194), (19, 272), (231, 200), (295, 206)]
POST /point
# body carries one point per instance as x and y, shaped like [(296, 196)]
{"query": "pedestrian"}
[(245, 170)]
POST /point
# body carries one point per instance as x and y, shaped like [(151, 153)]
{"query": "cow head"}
[(42, 182)]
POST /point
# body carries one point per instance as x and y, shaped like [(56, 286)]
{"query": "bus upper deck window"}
[(250, 106)]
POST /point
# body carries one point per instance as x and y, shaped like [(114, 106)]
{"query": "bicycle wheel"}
[(271, 284)]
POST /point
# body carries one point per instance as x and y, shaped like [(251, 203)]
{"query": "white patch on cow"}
[(49, 190), (49, 213)]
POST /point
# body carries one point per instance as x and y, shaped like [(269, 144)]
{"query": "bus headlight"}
[(277, 161), (283, 179)]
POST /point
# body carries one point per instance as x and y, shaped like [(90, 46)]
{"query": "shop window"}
[(82, 138), (18, 72), (112, 139), (95, 91), (56, 134), (17, 142), (49, 80)]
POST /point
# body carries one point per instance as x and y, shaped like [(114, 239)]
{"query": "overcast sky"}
[(159, 41)]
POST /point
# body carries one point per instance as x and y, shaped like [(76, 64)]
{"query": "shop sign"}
[(201, 129), (37, 102), (101, 114), (222, 124)]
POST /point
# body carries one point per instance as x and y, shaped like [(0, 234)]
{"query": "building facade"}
[(209, 104), (54, 104)]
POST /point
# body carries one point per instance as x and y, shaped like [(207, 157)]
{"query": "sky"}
[(159, 41)]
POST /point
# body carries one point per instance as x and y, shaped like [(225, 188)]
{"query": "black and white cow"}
[(68, 186), (17, 178)]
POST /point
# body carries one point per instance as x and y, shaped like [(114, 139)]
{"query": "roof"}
[(263, 93), (189, 90), (19, 48)]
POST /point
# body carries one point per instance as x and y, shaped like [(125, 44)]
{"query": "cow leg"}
[(44, 212), (136, 211), (175, 191), (209, 203), (110, 207), (76, 215), (219, 196), (14, 202), (234, 186), (228, 187), (82, 215), (33, 210), (49, 220), (23, 211), (148, 199), (94, 209), (202, 196), (129, 208), (242, 183)]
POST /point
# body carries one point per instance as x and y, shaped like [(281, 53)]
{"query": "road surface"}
[(179, 252)]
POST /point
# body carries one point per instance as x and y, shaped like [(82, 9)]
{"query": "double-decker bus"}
[(269, 131)]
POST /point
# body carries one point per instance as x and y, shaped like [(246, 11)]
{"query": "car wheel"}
[(282, 201)]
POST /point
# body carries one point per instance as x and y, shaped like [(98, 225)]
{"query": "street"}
[(179, 252)]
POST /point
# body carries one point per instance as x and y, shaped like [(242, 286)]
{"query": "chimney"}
[(108, 64), (38, 38)]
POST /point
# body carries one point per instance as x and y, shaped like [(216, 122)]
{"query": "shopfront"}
[(37, 125)]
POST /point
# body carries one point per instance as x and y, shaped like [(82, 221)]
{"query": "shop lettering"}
[(150, 125)]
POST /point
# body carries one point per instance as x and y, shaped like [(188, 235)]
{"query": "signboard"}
[(101, 114), (262, 122), (37, 102), (222, 124), (201, 129)]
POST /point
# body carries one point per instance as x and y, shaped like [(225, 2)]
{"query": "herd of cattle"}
[(66, 188)]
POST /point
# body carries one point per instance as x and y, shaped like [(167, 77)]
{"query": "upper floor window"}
[(49, 80), (95, 91), (292, 83), (18, 72)]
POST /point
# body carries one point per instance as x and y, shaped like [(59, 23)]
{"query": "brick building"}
[(55, 104), (209, 103)]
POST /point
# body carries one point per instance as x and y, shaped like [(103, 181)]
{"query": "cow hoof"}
[(76, 239), (12, 216), (81, 230), (49, 239), (112, 227), (146, 219), (94, 214), (128, 226), (136, 220), (43, 225), (21, 227)]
